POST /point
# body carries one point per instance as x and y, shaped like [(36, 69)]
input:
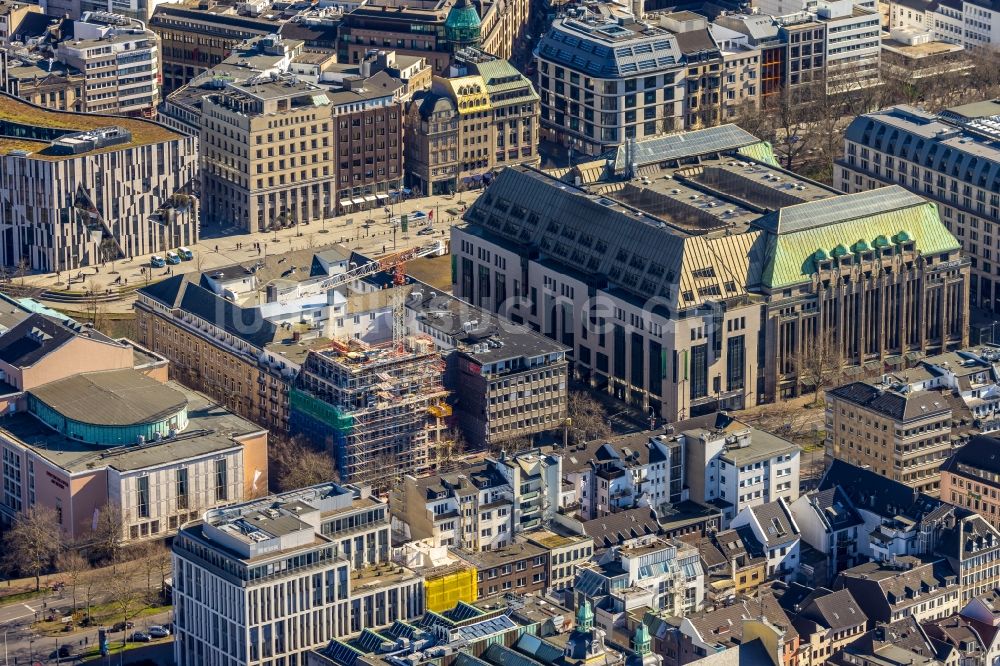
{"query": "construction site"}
[(381, 408)]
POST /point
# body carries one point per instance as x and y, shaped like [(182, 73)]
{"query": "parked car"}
[(426, 231), (156, 261), (140, 637), (186, 254), (173, 258), (122, 626), (156, 631)]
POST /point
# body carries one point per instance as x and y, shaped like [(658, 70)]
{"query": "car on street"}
[(156, 261), (122, 626), (186, 254), (426, 231), (156, 631), (140, 637), (173, 258)]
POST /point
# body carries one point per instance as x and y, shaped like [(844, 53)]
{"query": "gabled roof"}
[(833, 610), (776, 522), (982, 454), (869, 491), (834, 507)]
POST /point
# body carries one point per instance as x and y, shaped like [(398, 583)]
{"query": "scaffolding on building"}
[(383, 404)]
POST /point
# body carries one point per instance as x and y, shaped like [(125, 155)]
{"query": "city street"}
[(372, 232)]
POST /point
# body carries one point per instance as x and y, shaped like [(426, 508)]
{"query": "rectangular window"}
[(142, 497), (699, 371), (735, 363), (181, 479), (221, 481)]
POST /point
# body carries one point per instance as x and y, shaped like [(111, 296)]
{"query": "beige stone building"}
[(267, 154), (51, 84), (469, 125), (900, 433)]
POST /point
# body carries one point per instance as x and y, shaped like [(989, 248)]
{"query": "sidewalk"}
[(369, 232)]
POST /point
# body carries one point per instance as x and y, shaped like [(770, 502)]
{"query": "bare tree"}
[(123, 596), (294, 462), (22, 269), (819, 363), (33, 542), (510, 446), (588, 418), (109, 534), (75, 567)]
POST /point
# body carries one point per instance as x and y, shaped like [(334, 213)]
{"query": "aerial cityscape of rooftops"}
[(500, 332)]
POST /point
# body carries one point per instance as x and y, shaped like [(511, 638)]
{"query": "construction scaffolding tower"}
[(384, 406)]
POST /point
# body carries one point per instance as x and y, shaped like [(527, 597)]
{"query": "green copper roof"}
[(861, 245), (791, 255), (821, 255), (881, 241), (760, 151), (463, 23)]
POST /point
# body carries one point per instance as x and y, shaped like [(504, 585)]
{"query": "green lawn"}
[(103, 615)]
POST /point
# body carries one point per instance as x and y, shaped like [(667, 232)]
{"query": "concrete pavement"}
[(370, 232)]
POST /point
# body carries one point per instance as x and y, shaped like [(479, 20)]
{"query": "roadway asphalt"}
[(22, 646)]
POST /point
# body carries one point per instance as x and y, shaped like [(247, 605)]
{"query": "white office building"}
[(263, 582)]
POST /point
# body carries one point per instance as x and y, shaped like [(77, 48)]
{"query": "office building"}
[(901, 434), (604, 79), (508, 381), (82, 189), (705, 303), (285, 574), (193, 40), (951, 159), (432, 29), (119, 60), (449, 147)]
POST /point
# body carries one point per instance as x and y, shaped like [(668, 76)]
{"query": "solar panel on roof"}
[(698, 142), (369, 641), (342, 653)]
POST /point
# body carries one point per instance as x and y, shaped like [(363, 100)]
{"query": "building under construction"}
[(381, 408)]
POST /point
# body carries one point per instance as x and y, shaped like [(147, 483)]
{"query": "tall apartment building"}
[(193, 40), (84, 188), (951, 159), (432, 29), (898, 432), (119, 59), (735, 467), (691, 301), (266, 581), (448, 145), (604, 79), (704, 78)]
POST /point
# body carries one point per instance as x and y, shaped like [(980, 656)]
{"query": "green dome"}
[(861, 246), (839, 251), (903, 237), (584, 616), (881, 241), (821, 255), (462, 27)]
